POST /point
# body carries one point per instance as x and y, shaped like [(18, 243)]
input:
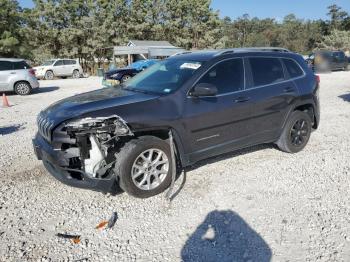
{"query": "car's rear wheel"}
[(23, 88), (49, 75), (296, 132), (76, 74), (125, 78), (144, 166)]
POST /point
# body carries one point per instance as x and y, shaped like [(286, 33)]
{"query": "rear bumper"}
[(34, 83), (54, 161)]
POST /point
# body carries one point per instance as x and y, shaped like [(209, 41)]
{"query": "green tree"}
[(12, 26), (336, 40), (338, 17)]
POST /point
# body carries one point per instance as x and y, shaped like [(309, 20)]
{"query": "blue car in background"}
[(119, 75)]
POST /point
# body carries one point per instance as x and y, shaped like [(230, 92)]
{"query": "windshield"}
[(163, 77), (48, 62)]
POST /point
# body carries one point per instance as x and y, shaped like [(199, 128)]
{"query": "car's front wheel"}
[(23, 88), (296, 133), (144, 166)]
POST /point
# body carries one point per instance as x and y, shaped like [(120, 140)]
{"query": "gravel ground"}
[(257, 204)]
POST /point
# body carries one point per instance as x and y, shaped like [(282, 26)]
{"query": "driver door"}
[(216, 123)]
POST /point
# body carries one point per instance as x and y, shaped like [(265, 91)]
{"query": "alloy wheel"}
[(22, 89), (150, 169), (299, 132)]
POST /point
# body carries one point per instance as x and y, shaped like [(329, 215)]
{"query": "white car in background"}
[(16, 75), (59, 67)]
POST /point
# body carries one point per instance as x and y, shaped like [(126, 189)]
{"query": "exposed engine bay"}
[(90, 144)]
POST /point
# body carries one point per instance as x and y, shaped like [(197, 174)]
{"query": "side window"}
[(20, 65), (73, 62), (227, 76), (5, 65), (266, 70), (59, 63), (69, 62), (293, 68)]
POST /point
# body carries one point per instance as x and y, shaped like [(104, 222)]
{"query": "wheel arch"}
[(20, 81), (310, 109), (163, 133)]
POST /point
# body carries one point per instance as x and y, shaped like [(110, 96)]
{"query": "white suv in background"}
[(59, 67), (16, 75)]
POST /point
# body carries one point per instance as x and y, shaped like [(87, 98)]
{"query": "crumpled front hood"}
[(85, 103)]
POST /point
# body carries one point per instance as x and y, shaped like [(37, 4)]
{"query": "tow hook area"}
[(89, 144)]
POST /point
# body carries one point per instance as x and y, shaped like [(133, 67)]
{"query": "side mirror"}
[(204, 89)]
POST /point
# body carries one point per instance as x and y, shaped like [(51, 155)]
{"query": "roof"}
[(11, 59), (149, 43)]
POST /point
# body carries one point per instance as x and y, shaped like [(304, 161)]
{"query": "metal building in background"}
[(137, 49)]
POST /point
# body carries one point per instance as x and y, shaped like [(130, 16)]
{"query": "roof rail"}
[(252, 49), (182, 53)]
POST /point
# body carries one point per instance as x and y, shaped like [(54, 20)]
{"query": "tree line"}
[(86, 29)]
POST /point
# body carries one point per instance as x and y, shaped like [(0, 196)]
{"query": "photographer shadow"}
[(225, 236)]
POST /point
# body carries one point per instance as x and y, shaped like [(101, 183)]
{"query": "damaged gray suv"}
[(135, 137)]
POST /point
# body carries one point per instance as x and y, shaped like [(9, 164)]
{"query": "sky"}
[(306, 9)]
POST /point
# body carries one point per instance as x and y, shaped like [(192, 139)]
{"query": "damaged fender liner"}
[(82, 152)]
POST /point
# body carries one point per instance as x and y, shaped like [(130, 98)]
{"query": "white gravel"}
[(257, 204)]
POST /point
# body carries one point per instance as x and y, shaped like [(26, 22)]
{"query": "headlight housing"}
[(113, 124)]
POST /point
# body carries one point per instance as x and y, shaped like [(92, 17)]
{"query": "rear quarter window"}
[(266, 70), (20, 65), (293, 68)]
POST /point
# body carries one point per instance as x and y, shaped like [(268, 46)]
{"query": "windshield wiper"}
[(139, 90)]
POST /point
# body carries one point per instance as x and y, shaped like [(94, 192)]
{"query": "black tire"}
[(296, 133), (125, 78), (22, 88), (125, 159), (76, 74), (49, 75)]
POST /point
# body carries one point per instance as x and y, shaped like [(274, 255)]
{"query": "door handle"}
[(289, 90), (242, 99), (13, 73)]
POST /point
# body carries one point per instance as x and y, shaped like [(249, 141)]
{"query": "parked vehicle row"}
[(324, 60), (181, 110), (16, 75), (59, 68), (120, 75)]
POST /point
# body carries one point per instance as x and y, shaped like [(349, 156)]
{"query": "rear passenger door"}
[(272, 92), (69, 67), (6, 71)]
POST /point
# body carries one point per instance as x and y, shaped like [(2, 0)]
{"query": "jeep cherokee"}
[(201, 104)]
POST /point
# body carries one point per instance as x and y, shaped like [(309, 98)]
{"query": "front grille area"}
[(45, 126)]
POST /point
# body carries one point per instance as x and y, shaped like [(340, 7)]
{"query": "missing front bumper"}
[(53, 161)]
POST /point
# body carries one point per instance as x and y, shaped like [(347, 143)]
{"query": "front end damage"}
[(82, 152)]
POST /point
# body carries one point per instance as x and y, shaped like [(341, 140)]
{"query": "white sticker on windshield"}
[(193, 66), (167, 90)]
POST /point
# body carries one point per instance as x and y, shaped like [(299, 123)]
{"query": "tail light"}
[(32, 71), (318, 79)]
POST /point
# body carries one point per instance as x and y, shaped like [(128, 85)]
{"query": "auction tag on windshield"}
[(193, 66)]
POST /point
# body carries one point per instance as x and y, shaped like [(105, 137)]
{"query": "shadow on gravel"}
[(345, 97), (45, 89), (10, 129), (232, 154), (225, 236)]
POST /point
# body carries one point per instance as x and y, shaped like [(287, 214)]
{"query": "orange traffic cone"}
[(5, 102)]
